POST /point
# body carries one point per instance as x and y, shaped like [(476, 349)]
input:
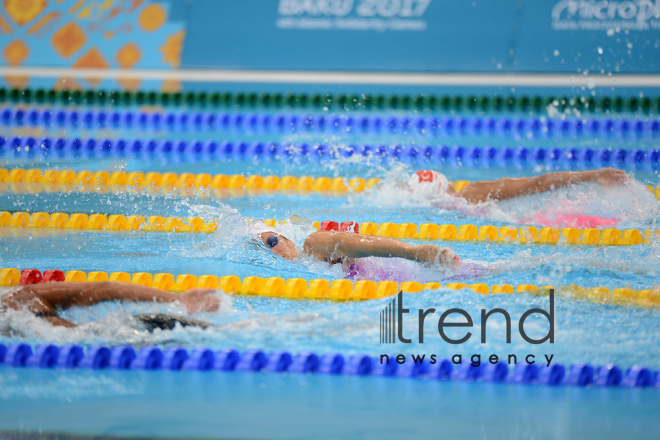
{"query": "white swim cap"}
[(428, 184), (257, 228)]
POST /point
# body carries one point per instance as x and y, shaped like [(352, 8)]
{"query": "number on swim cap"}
[(425, 175), (428, 184)]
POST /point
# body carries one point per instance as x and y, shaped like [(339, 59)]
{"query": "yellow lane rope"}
[(36, 180), (524, 235), (339, 290)]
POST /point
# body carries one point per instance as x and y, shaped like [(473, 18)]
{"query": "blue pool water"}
[(240, 405), (585, 332)]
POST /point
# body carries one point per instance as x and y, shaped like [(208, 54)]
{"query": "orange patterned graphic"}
[(45, 24), (90, 34), (24, 11), (171, 85), (131, 84), (68, 39), (6, 29), (92, 59), (65, 83), (17, 81), (76, 6), (152, 17), (15, 52), (128, 55), (134, 5), (172, 48)]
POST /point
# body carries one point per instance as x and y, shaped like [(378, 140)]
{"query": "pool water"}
[(585, 332), (134, 404)]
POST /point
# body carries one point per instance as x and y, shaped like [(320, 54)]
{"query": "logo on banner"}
[(352, 15), (611, 16)]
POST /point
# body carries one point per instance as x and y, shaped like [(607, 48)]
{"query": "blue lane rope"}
[(301, 123), (444, 154), (203, 359)]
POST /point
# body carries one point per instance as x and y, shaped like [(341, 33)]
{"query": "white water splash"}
[(631, 203)]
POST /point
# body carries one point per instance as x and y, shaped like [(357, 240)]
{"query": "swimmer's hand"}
[(199, 300), (610, 177), (432, 254)]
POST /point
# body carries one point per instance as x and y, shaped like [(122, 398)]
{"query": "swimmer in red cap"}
[(432, 184)]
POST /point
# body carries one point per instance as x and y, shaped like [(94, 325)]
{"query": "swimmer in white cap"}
[(341, 247), (432, 184), (337, 247)]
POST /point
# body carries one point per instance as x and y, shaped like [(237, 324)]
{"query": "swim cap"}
[(428, 184), (257, 228)]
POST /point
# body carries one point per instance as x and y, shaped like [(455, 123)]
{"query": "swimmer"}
[(345, 248), (45, 299), (335, 247), (431, 184)]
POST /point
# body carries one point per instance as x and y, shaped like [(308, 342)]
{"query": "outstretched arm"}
[(43, 299), (335, 246), (507, 188)]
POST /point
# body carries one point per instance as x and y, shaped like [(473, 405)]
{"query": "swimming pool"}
[(586, 332)]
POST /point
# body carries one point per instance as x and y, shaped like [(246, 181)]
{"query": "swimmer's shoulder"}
[(321, 244), (314, 239)]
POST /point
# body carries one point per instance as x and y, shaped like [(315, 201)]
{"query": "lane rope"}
[(524, 235), (37, 180), (427, 126), (451, 155), (319, 101), (125, 357), (321, 289)]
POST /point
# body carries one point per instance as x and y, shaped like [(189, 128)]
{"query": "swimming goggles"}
[(272, 241)]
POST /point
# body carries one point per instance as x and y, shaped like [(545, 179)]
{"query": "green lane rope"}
[(425, 102)]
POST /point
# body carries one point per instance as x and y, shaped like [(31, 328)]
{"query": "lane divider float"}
[(125, 357), (430, 126), (495, 234), (524, 235), (320, 101), (452, 155), (37, 180), (321, 289)]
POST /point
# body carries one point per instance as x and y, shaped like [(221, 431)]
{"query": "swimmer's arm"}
[(332, 246), (64, 295), (42, 299), (508, 188)]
